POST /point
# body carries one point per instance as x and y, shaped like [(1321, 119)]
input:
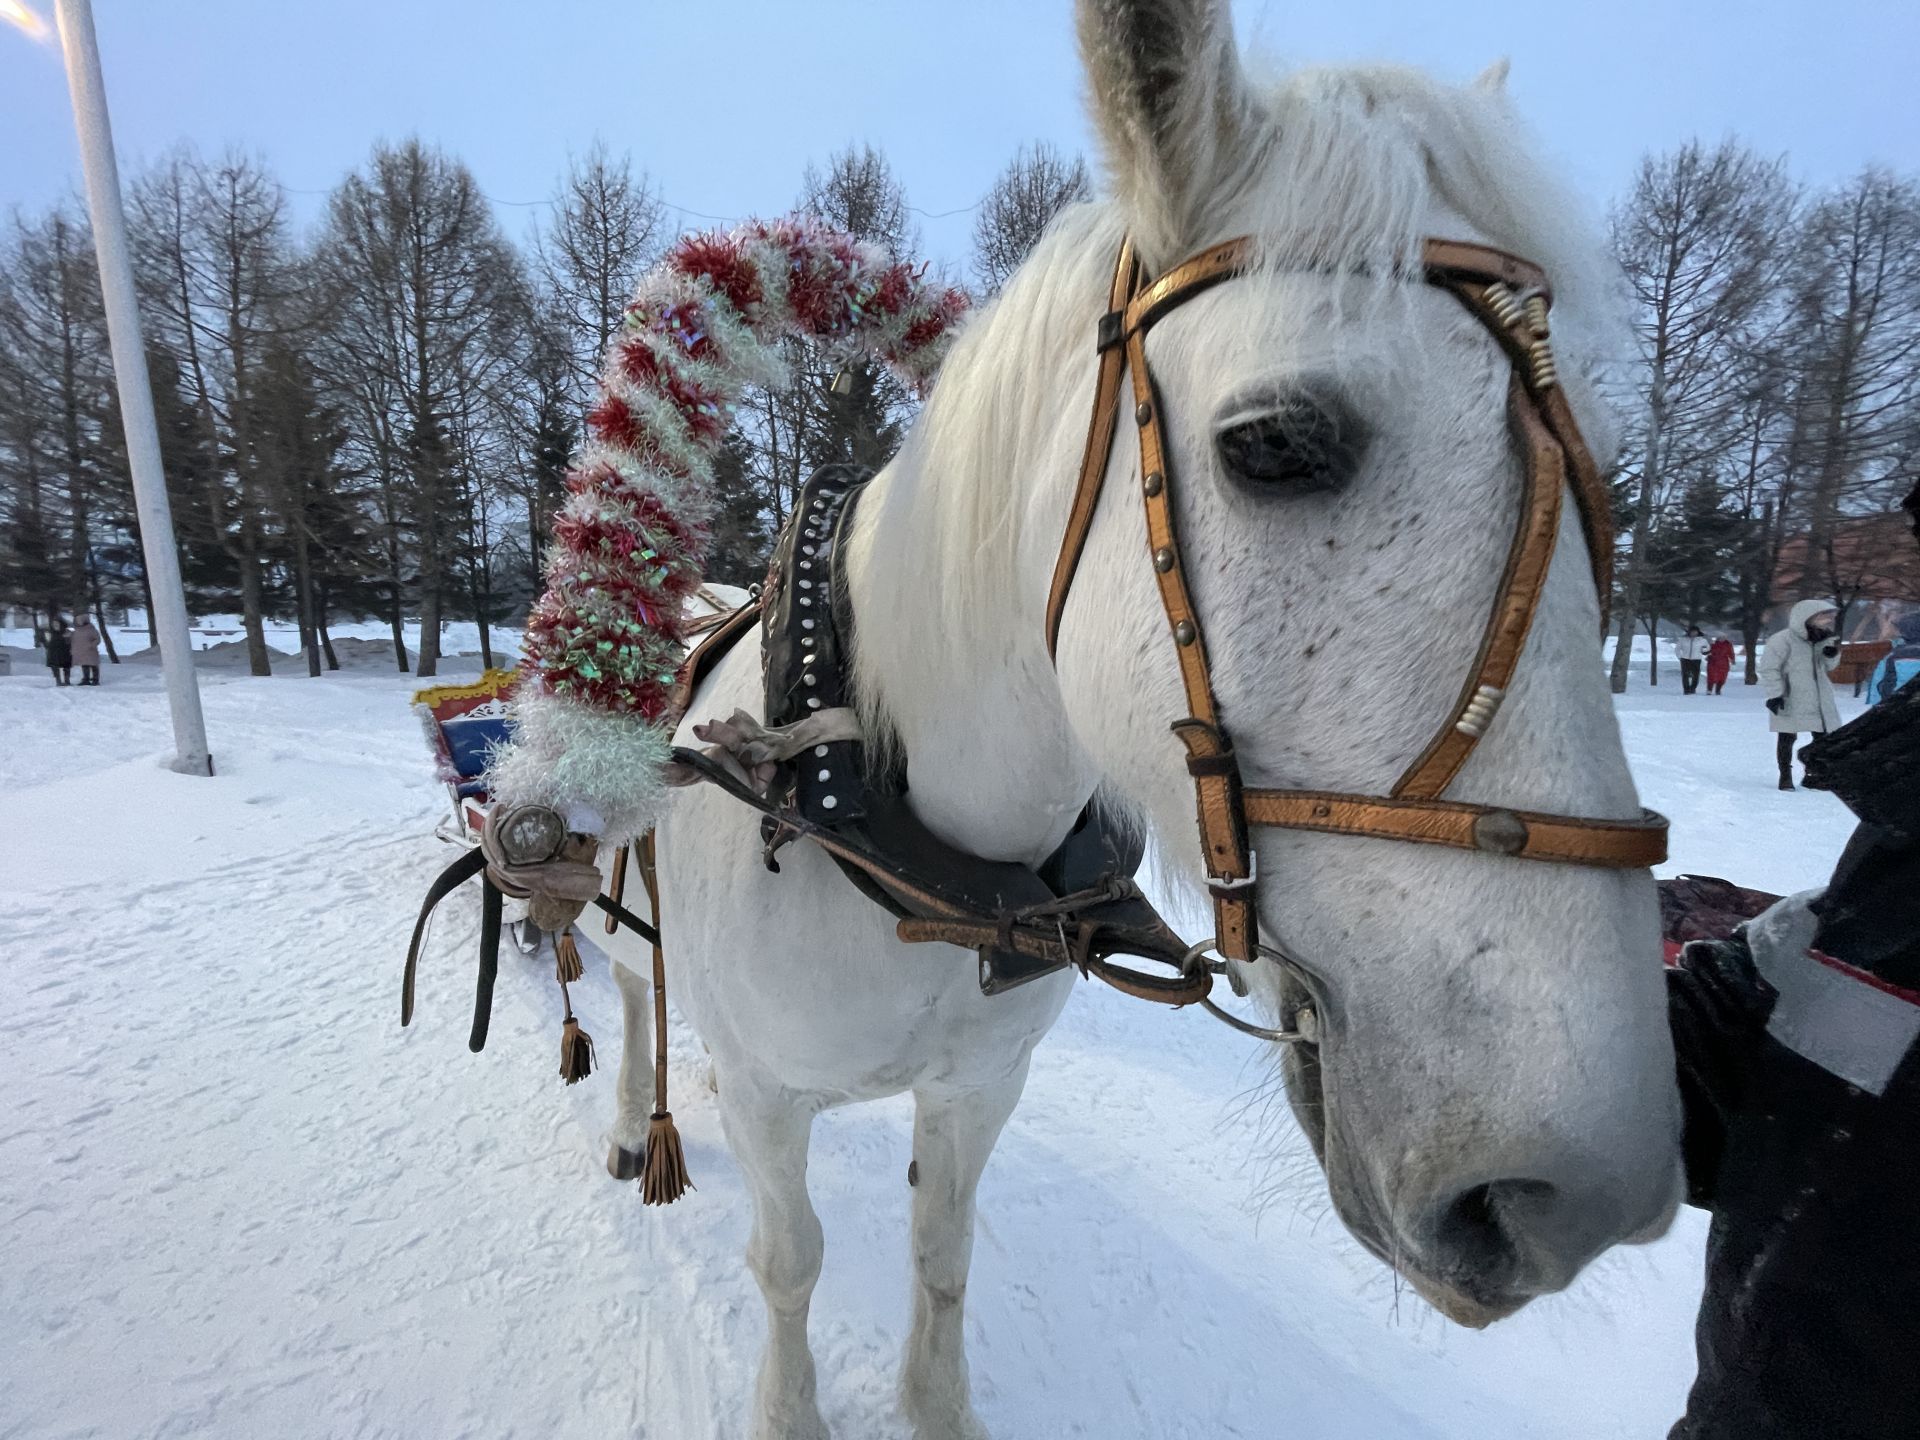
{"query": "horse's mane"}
[(1347, 169)]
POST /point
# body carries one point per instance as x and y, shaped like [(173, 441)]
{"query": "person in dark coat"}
[(1719, 664), (86, 651), (59, 652), (1797, 1042)]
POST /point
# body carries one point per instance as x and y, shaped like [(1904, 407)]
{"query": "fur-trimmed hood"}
[(1804, 611)]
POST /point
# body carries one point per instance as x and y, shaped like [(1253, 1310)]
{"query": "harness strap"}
[(1523, 834), (1225, 849), (1514, 606), (1080, 930), (450, 879), (1093, 463), (492, 902), (1469, 271)]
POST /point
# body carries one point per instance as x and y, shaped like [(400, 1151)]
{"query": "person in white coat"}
[(1794, 669), (1690, 649)]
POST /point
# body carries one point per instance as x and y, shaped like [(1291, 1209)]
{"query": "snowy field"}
[(237, 1200)]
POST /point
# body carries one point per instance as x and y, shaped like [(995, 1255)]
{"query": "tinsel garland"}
[(593, 720)]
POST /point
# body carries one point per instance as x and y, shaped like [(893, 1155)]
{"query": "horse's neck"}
[(992, 767)]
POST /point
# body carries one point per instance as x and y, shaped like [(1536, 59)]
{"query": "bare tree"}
[(1038, 183), (295, 438), (54, 392), (219, 287), (1699, 240), (543, 424), (1759, 490), (427, 307), (608, 226), (1856, 327)]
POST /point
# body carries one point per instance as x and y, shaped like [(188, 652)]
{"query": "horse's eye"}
[(1306, 443)]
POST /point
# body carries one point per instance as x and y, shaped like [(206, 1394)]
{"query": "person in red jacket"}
[(1719, 663)]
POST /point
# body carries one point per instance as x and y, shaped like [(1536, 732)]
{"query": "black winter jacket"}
[(1801, 1082)]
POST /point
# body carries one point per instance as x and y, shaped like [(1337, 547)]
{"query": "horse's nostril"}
[(1481, 1232)]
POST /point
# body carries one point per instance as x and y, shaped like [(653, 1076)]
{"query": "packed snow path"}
[(237, 1200)]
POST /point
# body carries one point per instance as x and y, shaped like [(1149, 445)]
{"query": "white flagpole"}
[(191, 755)]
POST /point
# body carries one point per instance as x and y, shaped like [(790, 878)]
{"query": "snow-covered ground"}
[(237, 1200)]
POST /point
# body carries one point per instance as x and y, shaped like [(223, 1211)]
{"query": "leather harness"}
[(1510, 297), (1078, 907)]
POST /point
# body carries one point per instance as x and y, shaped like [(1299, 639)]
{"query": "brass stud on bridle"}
[(1500, 831), (1163, 559)]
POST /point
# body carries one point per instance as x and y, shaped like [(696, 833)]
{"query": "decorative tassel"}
[(566, 958), (576, 1052), (663, 1175)]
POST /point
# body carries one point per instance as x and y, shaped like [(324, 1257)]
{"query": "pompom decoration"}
[(594, 721)]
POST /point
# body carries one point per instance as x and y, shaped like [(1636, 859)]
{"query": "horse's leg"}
[(953, 1134), (629, 1145), (768, 1131)]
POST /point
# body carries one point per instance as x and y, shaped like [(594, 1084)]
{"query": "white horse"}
[(1492, 1094)]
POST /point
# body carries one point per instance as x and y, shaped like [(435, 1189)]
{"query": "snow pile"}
[(237, 1200)]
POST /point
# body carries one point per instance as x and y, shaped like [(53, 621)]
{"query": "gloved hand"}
[(1777, 704), (531, 856)]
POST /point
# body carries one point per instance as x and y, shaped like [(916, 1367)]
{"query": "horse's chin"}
[(1474, 1312)]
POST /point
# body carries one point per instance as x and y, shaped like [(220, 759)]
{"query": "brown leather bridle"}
[(1511, 298)]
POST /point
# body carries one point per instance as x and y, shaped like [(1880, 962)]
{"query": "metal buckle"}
[(1306, 1021), (1243, 882)]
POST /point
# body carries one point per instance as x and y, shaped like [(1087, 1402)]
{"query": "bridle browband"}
[(1511, 298)]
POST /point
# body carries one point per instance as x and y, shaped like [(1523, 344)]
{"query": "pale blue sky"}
[(725, 101)]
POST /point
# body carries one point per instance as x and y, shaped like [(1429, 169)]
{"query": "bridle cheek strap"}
[(1510, 297)]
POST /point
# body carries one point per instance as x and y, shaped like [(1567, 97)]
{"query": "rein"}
[(1510, 297)]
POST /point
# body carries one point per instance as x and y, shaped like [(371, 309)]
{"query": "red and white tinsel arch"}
[(592, 718)]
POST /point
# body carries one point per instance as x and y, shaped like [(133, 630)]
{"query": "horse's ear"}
[(1493, 79), (1171, 105)]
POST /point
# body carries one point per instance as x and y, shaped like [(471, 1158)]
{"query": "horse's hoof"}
[(624, 1164)]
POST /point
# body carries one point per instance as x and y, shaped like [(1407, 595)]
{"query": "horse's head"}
[(1492, 1095)]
